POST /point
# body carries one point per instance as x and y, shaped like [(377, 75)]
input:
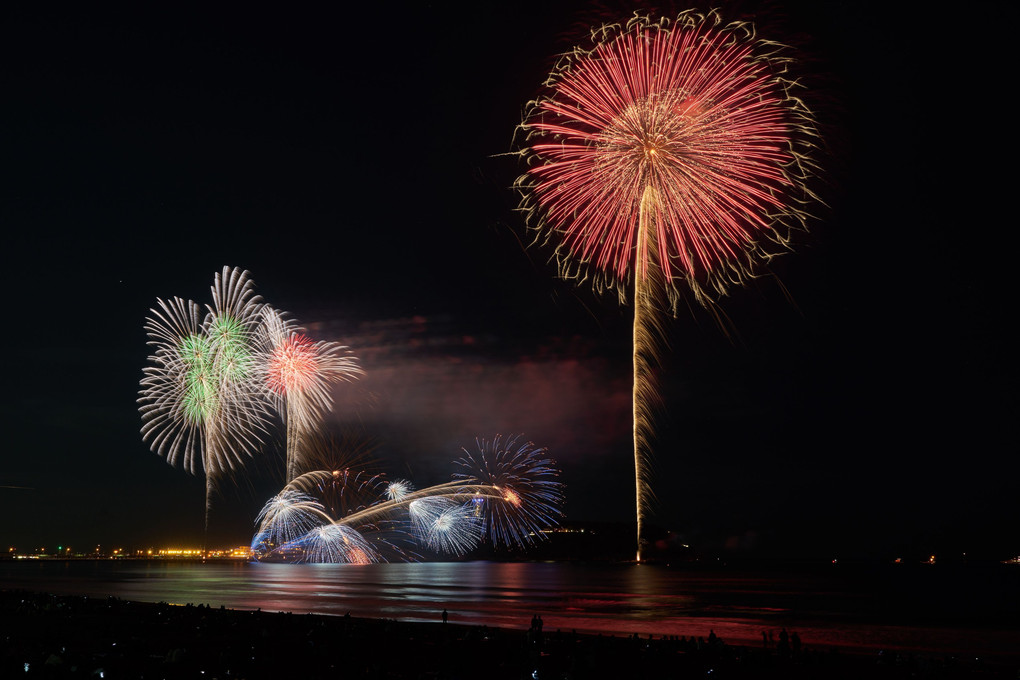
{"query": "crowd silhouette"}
[(50, 636)]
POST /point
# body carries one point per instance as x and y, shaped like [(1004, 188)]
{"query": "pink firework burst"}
[(299, 376), (687, 125), (293, 366)]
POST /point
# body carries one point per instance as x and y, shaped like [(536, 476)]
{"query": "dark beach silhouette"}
[(51, 636)]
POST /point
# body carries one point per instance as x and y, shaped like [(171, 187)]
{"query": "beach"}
[(72, 636)]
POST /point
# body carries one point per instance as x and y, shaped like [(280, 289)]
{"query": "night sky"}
[(359, 166)]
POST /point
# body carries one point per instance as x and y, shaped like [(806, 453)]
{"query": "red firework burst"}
[(686, 126), (670, 154), (299, 374), (293, 365)]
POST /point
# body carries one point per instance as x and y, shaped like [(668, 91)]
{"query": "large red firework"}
[(686, 126), (670, 155)]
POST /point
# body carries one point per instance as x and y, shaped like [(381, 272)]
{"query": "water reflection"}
[(600, 598), (607, 598)]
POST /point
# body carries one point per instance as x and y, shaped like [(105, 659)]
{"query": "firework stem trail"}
[(293, 439), (644, 350)]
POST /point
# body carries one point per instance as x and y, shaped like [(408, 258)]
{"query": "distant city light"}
[(240, 552)]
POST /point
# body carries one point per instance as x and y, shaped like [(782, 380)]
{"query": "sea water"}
[(960, 611)]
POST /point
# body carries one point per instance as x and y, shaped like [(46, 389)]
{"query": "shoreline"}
[(60, 636)]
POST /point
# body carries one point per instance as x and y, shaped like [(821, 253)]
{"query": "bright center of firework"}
[(199, 397), (398, 489), (293, 365), (511, 497), (649, 136), (444, 522), (232, 355)]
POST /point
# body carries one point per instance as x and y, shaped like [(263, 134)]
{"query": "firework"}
[(445, 525), (513, 488), (398, 489), (299, 373), (177, 391), (286, 518), (200, 398), (327, 518), (231, 324), (670, 156), (507, 492), (337, 544), (680, 135), (342, 491)]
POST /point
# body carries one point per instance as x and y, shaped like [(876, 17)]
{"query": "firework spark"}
[(671, 155), (299, 373)]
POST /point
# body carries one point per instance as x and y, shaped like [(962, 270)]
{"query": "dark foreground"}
[(48, 636)]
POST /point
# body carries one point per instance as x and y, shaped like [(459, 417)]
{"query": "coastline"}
[(58, 636)]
